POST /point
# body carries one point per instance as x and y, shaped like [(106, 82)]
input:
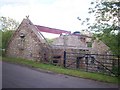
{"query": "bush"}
[(5, 38), (116, 70)]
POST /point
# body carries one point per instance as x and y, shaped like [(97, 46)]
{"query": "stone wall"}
[(72, 54), (98, 47), (70, 40), (30, 46), (58, 56), (28, 43)]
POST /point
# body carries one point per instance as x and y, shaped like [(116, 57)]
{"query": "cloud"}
[(13, 2), (61, 14)]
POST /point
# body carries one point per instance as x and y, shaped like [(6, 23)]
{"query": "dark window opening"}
[(57, 57), (78, 58), (55, 61), (89, 44), (22, 35), (82, 39), (92, 60)]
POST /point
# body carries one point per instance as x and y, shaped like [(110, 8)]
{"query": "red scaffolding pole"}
[(51, 30)]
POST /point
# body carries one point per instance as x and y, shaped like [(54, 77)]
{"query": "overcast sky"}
[(60, 14)]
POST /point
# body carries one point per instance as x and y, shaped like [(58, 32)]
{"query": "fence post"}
[(64, 62), (86, 62), (118, 65), (78, 62)]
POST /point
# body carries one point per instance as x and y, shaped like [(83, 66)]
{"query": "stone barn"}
[(77, 45), (27, 42), (71, 43)]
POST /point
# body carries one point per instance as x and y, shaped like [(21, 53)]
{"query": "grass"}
[(61, 70)]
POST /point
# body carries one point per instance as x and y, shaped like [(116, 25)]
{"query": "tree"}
[(8, 26), (6, 37), (107, 25), (106, 13), (0, 43), (107, 22)]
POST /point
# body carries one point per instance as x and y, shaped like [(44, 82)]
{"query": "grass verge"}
[(61, 70)]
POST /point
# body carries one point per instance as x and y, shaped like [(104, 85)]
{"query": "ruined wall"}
[(28, 47), (99, 47), (72, 54), (70, 40), (58, 41), (58, 56), (81, 42)]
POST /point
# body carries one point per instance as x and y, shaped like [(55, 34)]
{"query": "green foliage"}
[(89, 44), (106, 13), (8, 24), (0, 43), (49, 40), (7, 27), (116, 70), (111, 40), (5, 38), (0, 39), (106, 23)]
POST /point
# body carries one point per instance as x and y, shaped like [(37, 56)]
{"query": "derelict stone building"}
[(27, 42)]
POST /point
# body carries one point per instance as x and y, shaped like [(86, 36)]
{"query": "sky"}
[(60, 14)]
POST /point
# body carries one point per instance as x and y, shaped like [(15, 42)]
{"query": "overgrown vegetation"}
[(50, 40), (8, 26), (108, 33), (61, 70), (8, 23), (0, 43), (6, 37), (106, 25)]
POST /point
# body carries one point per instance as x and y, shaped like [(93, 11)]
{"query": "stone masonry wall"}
[(70, 40), (29, 47), (99, 47)]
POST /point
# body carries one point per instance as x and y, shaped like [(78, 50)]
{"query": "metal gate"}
[(106, 64)]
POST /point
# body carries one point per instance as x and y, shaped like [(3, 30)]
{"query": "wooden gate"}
[(106, 64)]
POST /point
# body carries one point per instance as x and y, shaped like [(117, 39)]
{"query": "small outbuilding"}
[(28, 42)]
